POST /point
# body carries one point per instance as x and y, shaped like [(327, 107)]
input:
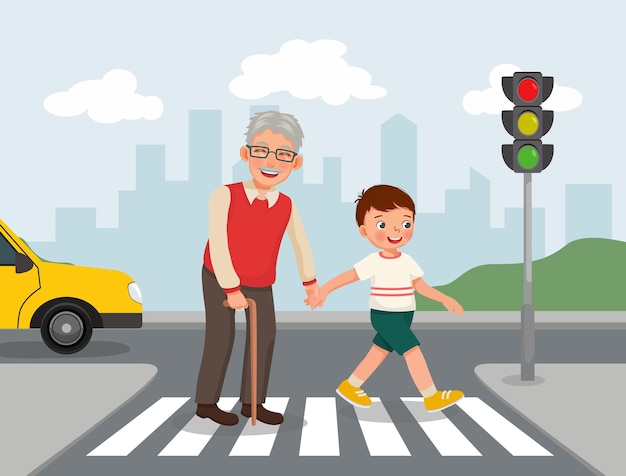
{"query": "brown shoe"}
[(218, 416), (262, 414)]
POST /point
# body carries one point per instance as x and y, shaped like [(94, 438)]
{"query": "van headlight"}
[(134, 292)]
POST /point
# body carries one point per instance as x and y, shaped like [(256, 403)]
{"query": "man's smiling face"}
[(270, 171)]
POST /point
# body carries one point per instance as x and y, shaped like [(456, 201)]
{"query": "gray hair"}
[(278, 122)]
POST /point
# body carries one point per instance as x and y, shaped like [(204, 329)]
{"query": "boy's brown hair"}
[(383, 198)]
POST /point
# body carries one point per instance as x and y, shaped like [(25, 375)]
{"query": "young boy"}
[(385, 216)]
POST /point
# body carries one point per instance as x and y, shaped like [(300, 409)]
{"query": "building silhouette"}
[(588, 211), (398, 154), (163, 224)]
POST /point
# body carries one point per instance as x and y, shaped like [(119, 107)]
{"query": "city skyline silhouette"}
[(163, 224)]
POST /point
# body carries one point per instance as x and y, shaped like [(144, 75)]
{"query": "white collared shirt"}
[(252, 193)]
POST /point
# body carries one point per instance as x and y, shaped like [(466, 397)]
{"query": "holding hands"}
[(317, 300), (312, 292)]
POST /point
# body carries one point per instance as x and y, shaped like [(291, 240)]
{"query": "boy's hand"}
[(453, 306), (317, 301)]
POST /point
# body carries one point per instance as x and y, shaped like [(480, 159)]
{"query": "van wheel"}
[(66, 328)]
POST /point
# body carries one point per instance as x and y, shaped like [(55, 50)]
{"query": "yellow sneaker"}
[(353, 395), (441, 400)]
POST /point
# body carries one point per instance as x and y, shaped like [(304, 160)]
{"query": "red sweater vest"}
[(254, 236)]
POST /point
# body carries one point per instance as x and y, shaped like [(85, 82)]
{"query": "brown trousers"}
[(220, 335)]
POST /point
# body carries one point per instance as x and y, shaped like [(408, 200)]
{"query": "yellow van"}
[(65, 301)]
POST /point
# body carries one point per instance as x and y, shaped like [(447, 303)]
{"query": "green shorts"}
[(393, 330)]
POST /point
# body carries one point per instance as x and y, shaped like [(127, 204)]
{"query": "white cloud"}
[(107, 100), (306, 71), (563, 98), (493, 100)]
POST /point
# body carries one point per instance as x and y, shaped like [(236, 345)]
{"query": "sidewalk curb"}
[(349, 320)]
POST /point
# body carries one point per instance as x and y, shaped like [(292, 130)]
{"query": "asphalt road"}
[(310, 363)]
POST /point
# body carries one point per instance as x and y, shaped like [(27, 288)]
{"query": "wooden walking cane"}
[(253, 354)]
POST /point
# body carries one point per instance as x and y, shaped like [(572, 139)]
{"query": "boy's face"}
[(269, 171), (388, 230)]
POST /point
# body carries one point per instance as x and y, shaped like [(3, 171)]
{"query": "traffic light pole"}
[(528, 311), (527, 122)]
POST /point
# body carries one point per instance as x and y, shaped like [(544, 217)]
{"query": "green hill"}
[(585, 275)]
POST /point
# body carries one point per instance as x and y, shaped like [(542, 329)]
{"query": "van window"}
[(7, 253)]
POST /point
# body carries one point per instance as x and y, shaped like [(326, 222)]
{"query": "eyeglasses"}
[(260, 152)]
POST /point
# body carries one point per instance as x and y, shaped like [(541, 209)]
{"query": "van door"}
[(15, 287)]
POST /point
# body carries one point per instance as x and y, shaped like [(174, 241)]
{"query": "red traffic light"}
[(528, 89)]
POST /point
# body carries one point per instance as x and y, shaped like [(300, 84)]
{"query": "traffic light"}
[(527, 122)]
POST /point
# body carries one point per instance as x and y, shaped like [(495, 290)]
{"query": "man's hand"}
[(318, 300), (312, 292), (237, 300)]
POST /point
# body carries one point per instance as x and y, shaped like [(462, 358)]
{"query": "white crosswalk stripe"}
[(258, 440), (446, 437), (136, 431), (320, 430), (320, 434), (514, 440), (191, 440), (381, 435)]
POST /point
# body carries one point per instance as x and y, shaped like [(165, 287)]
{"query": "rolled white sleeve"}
[(219, 203), (301, 247)]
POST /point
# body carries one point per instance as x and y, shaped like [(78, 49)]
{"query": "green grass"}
[(585, 275)]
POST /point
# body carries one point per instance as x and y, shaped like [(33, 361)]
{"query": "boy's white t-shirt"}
[(391, 285)]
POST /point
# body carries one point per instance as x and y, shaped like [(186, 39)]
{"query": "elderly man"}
[(247, 221)]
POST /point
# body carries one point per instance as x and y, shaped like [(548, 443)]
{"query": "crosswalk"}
[(319, 435)]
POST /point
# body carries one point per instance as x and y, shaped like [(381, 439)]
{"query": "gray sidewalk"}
[(578, 405), (44, 408)]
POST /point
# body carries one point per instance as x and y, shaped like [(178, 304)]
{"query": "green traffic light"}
[(527, 157)]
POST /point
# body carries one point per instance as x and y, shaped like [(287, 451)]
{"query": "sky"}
[(342, 68)]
